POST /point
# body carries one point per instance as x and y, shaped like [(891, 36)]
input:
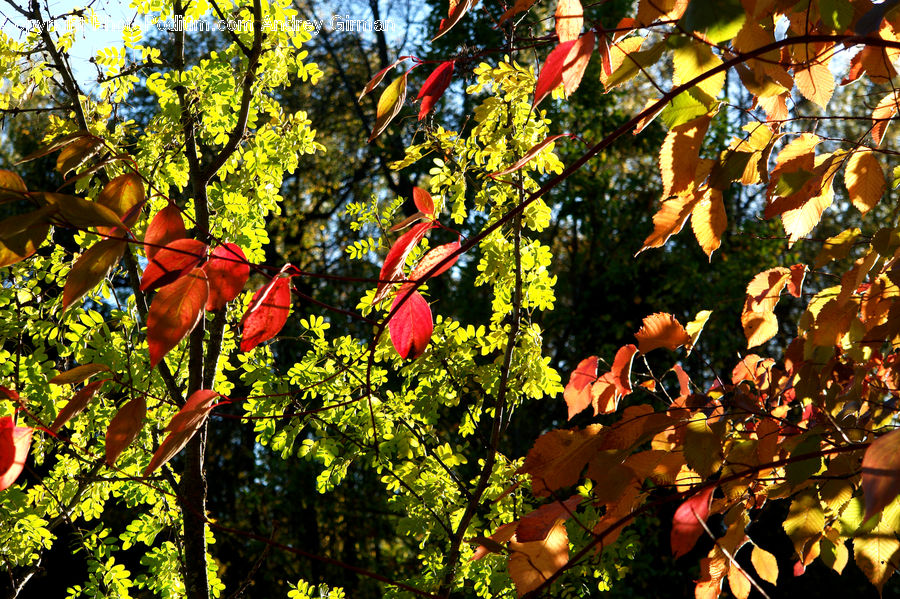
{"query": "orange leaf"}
[(621, 369), (680, 155), (14, 444), (423, 201), (864, 179), (708, 221), (565, 65), (815, 82), (456, 13), (795, 282), (738, 582), (174, 312), (686, 525), (91, 268), (182, 427), (268, 312), (537, 525), (124, 195), (578, 391), (604, 397), (167, 226), (124, 428), (76, 405), (882, 115), (21, 235), (669, 220), (519, 6), (764, 289), (661, 330), (569, 20), (881, 472), (532, 563), (712, 573)]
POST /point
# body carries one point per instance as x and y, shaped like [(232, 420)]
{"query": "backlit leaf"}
[(182, 427), (578, 391), (124, 428), (864, 179), (167, 226), (695, 327), (680, 155), (884, 112), (457, 10), (621, 369), (795, 282), (837, 247), (124, 195), (435, 256), (12, 187), (423, 201), (392, 269), (14, 444), (171, 262), (537, 525), (389, 105), (412, 324), (91, 268), (815, 82), (74, 154), (21, 235), (765, 564), (881, 472), (708, 220), (267, 313), (227, 271), (433, 88), (174, 312), (661, 330), (669, 220), (376, 80), (765, 288), (759, 327), (569, 20), (526, 158), (80, 212), (738, 582), (516, 8), (686, 524), (75, 405), (79, 374), (565, 65), (532, 563)]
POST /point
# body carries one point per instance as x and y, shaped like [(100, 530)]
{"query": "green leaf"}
[(719, 23), (682, 109), (836, 14), (790, 183)]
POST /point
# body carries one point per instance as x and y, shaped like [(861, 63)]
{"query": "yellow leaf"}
[(882, 115), (569, 20), (738, 582), (389, 104), (680, 155), (695, 327), (864, 179), (805, 520), (708, 221), (651, 10), (876, 552), (692, 60), (765, 564), (759, 327), (765, 288), (618, 54)]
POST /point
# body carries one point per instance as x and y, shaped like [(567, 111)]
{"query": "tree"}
[(168, 344)]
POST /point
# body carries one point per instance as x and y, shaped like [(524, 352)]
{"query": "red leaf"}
[(174, 312), (457, 10), (182, 427), (661, 330), (434, 88), (537, 525), (392, 268), (621, 370), (578, 391), (434, 257), (411, 325), (268, 311), (227, 271), (378, 78), (534, 151), (686, 525), (795, 283), (423, 201), (124, 428), (881, 472), (14, 444), (171, 262), (166, 227), (565, 66), (76, 405)]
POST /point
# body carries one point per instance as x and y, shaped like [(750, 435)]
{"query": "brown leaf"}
[(881, 472), (124, 195), (536, 525), (661, 330), (182, 427), (79, 374), (91, 268), (76, 405)]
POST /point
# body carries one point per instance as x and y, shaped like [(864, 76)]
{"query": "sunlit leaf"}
[(864, 179), (182, 427), (577, 393), (565, 65), (267, 313), (124, 428), (75, 405), (687, 524), (14, 444), (765, 564), (433, 258), (412, 324), (434, 87), (527, 157), (167, 226), (79, 374), (174, 312), (661, 330), (389, 105), (227, 270), (171, 262), (569, 19), (530, 564), (92, 267), (392, 269)]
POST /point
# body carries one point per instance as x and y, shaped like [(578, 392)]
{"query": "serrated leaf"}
[(837, 246), (530, 564), (708, 221), (815, 82), (411, 325), (267, 313), (661, 330), (227, 271), (569, 19), (577, 393), (632, 62), (881, 472), (124, 428), (669, 220), (765, 564), (680, 155), (182, 427), (621, 368), (759, 327), (91, 268), (718, 25), (864, 179), (174, 312)]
